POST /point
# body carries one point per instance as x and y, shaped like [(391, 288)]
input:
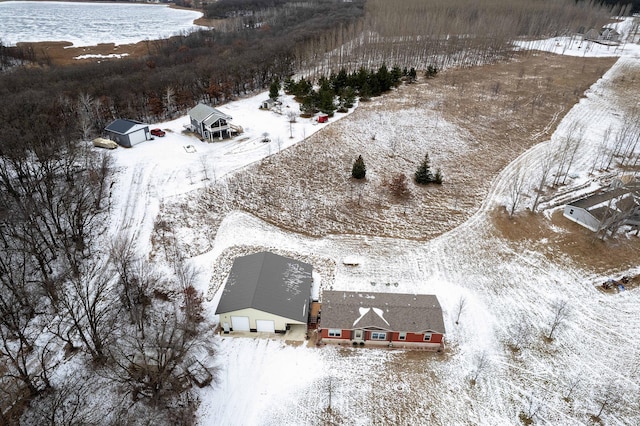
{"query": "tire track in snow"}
[(508, 283)]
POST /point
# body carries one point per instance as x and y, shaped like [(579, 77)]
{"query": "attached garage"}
[(240, 323), (265, 293), (266, 326)]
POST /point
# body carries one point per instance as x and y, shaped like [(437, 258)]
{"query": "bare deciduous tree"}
[(99, 177), (517, 188), (480, 363), (532, 407), (519, 334), (572, 386), (608, 398), (153, 368), (460, 307), (601, 154), (567, 152), (192, 299), (560, 313), (169, 99), (89, 306), (66, 404), (546, 163)]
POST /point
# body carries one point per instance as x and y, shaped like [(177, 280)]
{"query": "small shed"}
[(323, 118), (127, 133), (607, 209), (268, 103)]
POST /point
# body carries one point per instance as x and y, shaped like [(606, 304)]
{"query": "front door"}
[(358, 335)]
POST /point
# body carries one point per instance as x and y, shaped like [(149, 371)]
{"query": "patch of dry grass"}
[(568, 239), (472, 122)]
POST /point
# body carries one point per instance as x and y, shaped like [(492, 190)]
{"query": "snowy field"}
[(590, 367), (84, 24)]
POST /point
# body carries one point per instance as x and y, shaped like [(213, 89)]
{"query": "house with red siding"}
[(381, 319)]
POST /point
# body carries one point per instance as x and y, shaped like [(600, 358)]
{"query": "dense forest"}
[(270, 40), (56, 299)]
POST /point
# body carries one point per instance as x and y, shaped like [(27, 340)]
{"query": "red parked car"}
[(158, 132)]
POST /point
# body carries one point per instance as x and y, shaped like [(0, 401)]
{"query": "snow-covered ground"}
[(177, 163), (510, 291), (118, 23), (576, 46)]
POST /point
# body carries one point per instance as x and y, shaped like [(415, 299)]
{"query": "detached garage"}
[(127, 133), (265, 292)]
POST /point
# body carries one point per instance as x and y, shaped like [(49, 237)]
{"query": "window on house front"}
[(427, 337), (378, 335), (335, 332), (402, 336)]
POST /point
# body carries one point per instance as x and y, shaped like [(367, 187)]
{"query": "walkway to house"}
[(296, 333)]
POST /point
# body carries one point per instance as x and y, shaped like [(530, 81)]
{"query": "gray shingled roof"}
[(269, 283), (389, 311), (202, 112), (124, 126)]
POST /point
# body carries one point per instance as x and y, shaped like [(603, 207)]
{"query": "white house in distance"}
[(608, 209), (209, 122), (604, 36), (265, 292)]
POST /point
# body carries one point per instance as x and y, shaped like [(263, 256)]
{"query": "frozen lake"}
[(87, 24)]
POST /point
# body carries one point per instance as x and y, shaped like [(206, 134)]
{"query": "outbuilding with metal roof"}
[(127, 133), (265, 292)]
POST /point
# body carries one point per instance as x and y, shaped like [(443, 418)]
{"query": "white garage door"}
[(240, 323), (137, 137), (266, 325)]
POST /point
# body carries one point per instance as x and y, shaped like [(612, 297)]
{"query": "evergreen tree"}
[(365, 92), (326, 97), (359, 170), (289, 85), (412, 75), (423, 175), (384, 79), (340, 81), (396, 75), (360, 79), (347, 97), (326, 102), (274, 90), (308, 104), (431, 71), (303, 88)]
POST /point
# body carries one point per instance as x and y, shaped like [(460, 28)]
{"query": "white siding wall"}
[(254, 314), (581, 217)]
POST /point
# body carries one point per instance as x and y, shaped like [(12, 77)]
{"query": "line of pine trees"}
[(345, 87), (422, 176)]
